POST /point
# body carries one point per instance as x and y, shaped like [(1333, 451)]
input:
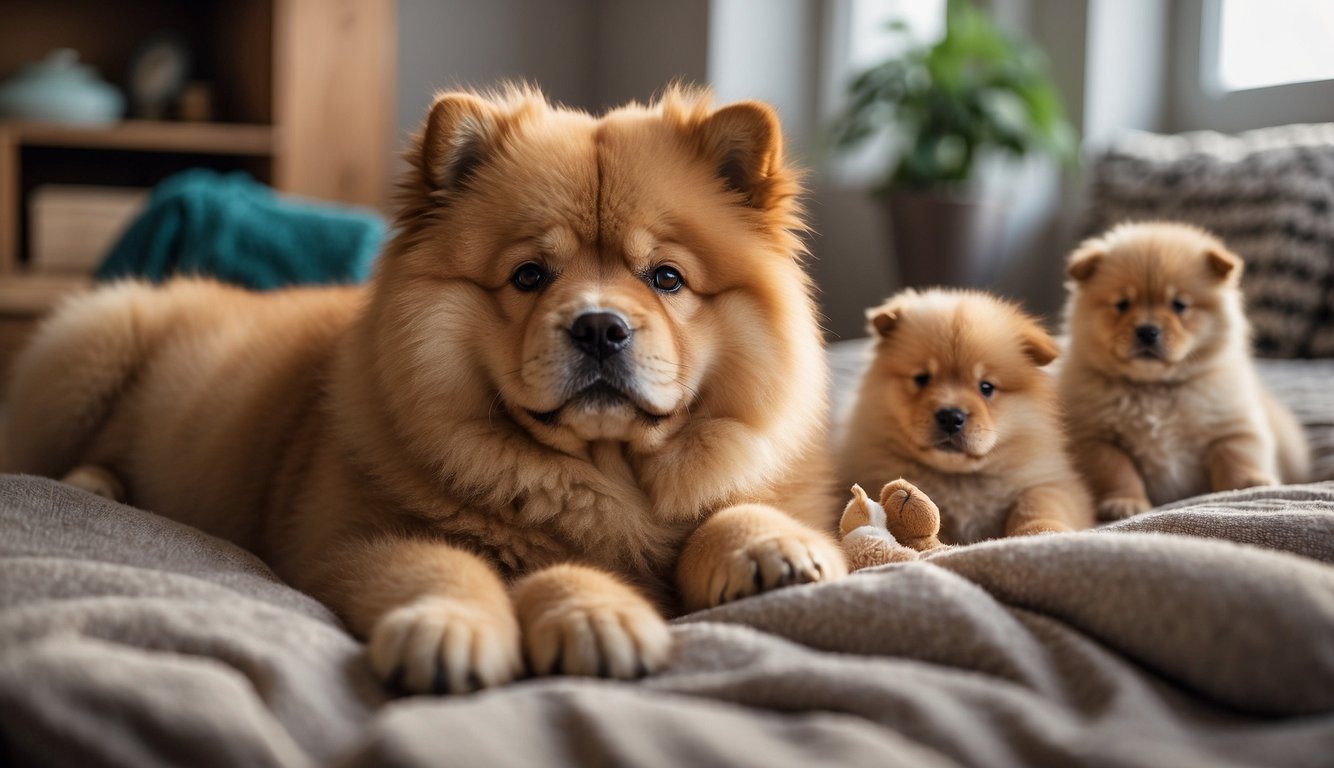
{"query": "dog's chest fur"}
[(591, 517), (1167, 435), (1169, 430), (609, 525)]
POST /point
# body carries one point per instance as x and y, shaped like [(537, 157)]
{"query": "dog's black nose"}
[(951, 420), (1148, 334), (600, 334)]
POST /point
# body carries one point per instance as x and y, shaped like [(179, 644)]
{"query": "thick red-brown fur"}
[(411, 453), (1009, 473), (1191, 418)]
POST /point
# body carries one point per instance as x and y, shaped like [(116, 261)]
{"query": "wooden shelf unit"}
[(303, 93), (147, 136), (25, 294)]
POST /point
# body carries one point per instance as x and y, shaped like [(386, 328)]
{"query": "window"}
[(870, 41), (858, 37), (1264, 43)]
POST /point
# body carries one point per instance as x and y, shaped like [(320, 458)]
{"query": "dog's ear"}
[(1223, 263), (882, 319), (1038, 345), (459, 131), (1084, 261), (745, 143)]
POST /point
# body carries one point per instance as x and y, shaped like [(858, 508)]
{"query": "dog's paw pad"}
[(622, 640), (439, 645)]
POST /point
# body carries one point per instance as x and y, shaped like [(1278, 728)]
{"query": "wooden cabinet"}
[(302, 99)]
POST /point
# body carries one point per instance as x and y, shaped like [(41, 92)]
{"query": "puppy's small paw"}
[(617, 639), (1256, 480), (443, 645), (775, 561), (96, 480), (1038, 527), (1121, 507)]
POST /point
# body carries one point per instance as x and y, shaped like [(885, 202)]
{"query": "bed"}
[(1201, 633)]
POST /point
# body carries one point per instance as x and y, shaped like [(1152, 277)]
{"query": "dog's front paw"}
[(578, 621), (443, 645), (1039, 527), (1121, 507), (753, 548), (772, 562), (1254, 480), (97, 480)]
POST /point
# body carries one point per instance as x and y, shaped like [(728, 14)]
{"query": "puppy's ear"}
[(882, 319), (459, 132), (1223, 263), (745, 143), (1038, 345), (1084, 261)]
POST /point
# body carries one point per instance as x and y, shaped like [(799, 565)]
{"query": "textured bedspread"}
[(1201, 634)]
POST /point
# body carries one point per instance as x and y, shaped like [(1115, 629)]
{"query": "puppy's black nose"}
[(600, 334), (1148, 334), (951, 420)]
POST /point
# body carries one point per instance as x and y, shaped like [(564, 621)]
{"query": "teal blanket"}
[(232, 228)]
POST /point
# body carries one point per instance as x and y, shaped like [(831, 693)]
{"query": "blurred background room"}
[(946, 141)]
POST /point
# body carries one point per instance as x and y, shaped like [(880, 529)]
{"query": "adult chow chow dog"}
[(584, 386), (956, 402), (1161, 394)]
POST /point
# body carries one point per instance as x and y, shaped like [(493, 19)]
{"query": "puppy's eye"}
[(922, 379), (1179, 306), (529, 277), (986, 388), (667, 279), (1123, 306)]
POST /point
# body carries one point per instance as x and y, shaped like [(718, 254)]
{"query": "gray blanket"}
[(1201, 634)]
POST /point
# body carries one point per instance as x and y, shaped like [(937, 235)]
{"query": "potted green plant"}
[(976, 91)]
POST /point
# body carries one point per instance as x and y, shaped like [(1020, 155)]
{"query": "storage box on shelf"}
[(71, 228)]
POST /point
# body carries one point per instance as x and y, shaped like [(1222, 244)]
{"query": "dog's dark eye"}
[(529, 277), (667, 279), (1123, 306), (1179, 306), (922, 379), (987, 388)]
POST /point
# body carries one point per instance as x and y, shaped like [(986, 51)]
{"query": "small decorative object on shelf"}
[(158, 73), (58, 89), (197, 102)]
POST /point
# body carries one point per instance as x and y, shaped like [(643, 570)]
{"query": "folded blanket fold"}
[(237, 230), (1201, 634)]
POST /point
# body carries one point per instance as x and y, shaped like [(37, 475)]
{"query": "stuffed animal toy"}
[(904, 525)]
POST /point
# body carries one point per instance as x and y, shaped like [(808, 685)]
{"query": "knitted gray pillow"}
[(1268, 193)]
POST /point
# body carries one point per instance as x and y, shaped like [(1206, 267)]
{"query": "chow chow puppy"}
[(957, 403), (1161, 395), (584, 386)]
